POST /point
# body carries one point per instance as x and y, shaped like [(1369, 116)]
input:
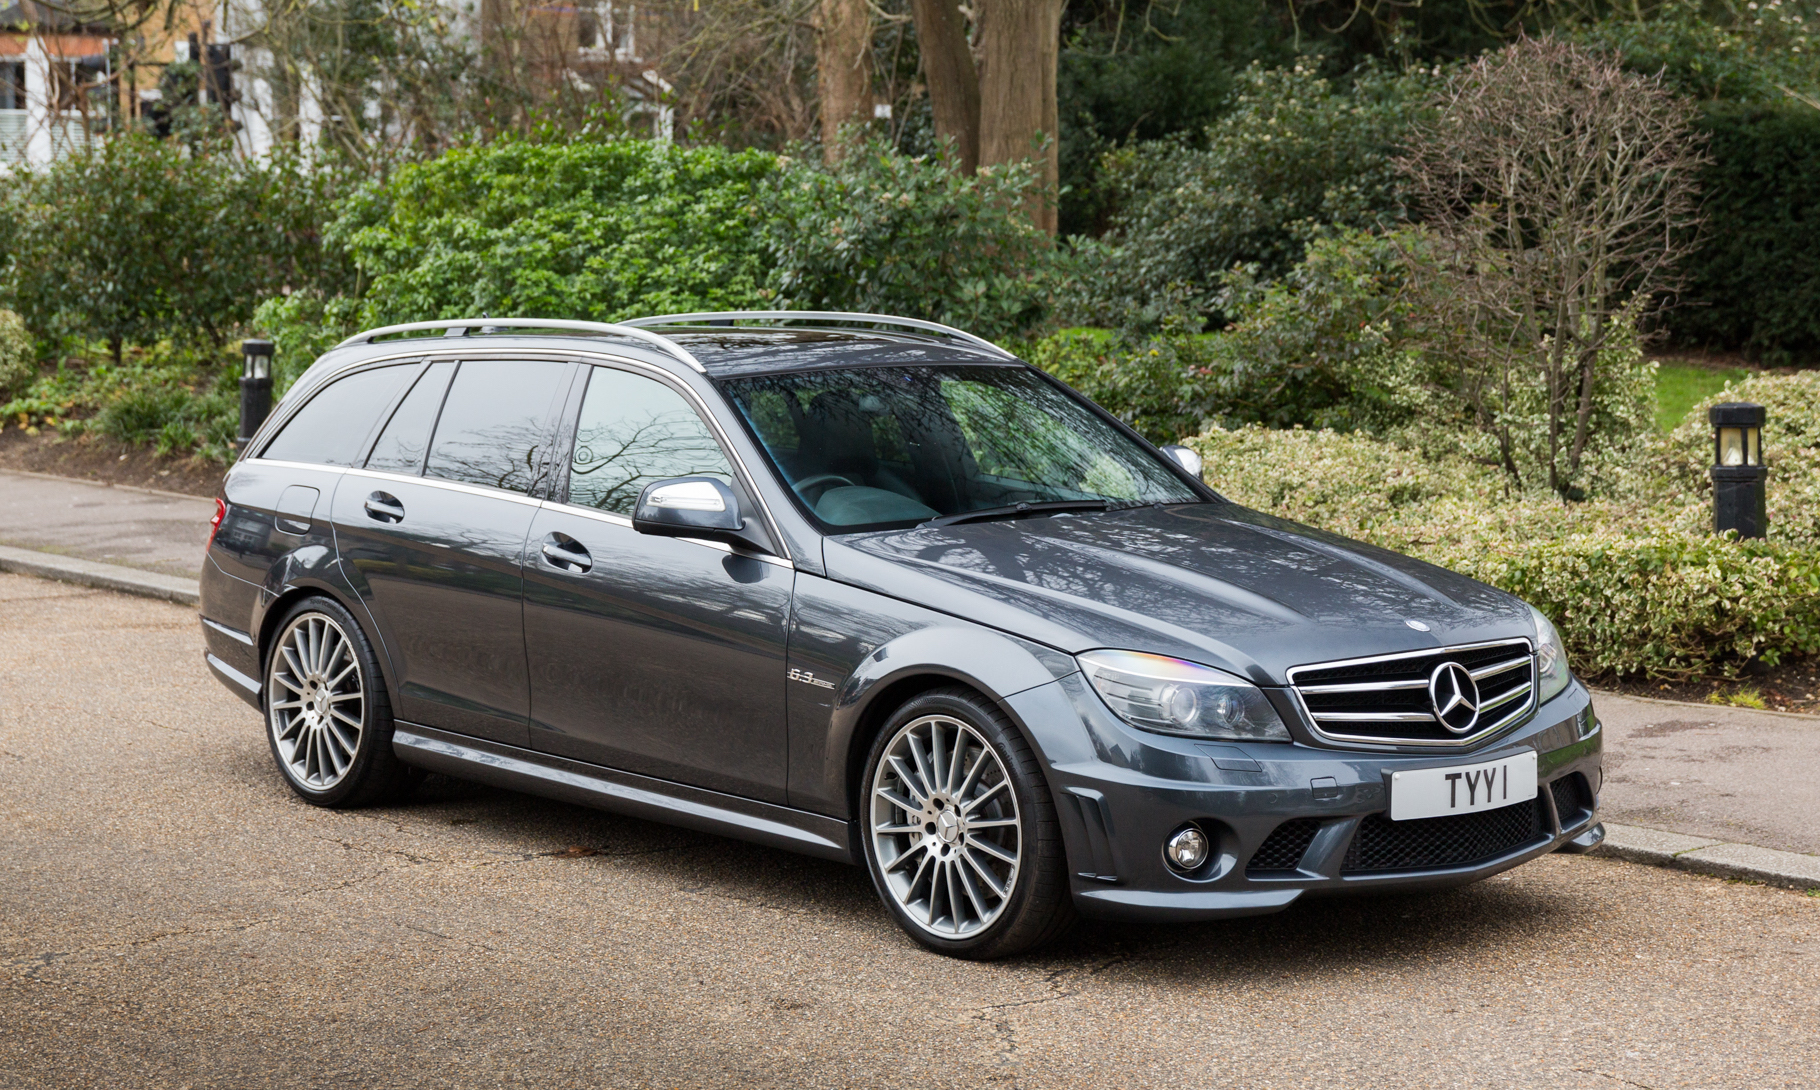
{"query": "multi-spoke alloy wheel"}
[(945, 827), (327, 716), (318, 701), (960, 830)]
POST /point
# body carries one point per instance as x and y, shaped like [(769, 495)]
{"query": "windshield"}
[(880, 447)]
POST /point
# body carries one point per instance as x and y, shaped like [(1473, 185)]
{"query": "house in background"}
[(57, 89)]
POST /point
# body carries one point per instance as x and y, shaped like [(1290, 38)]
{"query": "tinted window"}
[(884, 446), (333, 428), (406, 436), (632, 431), (494, 423)]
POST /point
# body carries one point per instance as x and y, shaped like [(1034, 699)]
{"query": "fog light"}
[(1187, 849)]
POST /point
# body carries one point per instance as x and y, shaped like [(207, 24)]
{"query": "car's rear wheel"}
[(327, 716), (960, 830)]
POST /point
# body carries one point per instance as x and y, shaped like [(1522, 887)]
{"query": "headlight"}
[(1552, 674), (1176, 697)]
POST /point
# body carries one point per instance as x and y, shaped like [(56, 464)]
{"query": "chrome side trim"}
[(458, 327), (624, 792), (1314, 720), (228, 673), (849, 317), (230, 633)]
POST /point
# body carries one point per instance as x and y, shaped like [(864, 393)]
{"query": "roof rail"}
[(458, 327), (848, 317)]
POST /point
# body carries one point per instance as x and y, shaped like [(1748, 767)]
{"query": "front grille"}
[(1284, 847), (1456, 840), (1570, 798), (1386, 699)]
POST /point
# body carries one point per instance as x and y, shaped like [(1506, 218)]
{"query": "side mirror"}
[(1187, 459), (698, 507)]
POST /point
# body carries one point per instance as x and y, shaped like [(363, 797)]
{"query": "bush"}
[(1752, 282), (1295, 150), (1637, 584), (890, 234), (1158, 385), (601, 231), (18, 358), (302, 326), (137, 240)]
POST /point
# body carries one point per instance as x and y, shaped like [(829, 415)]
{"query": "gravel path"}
[(171, 916)]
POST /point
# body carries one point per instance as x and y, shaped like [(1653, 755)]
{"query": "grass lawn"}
[(1680, 386)]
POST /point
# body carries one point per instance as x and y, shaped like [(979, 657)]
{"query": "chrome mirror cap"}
[(1185, 458)]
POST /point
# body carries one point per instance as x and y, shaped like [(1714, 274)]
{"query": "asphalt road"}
[(170, 916)]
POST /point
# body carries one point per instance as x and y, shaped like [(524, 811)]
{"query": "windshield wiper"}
[(1018, 510)]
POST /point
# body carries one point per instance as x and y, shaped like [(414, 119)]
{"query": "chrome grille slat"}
[(1383, 701), (1498, 667), (1364, 687)]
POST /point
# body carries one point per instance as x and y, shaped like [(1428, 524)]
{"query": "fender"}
[(883, 651)]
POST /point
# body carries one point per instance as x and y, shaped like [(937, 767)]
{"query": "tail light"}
[(215, 522)]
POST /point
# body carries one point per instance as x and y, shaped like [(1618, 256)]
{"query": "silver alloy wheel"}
[(945, 827), (316, 726)]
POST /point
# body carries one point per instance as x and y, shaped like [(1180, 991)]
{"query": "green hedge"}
[(1754, 281), (1637, 582)]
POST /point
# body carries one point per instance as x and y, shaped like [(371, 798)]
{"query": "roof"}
[(734, 352)]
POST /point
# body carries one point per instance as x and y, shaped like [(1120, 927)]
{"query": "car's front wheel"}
[(327, 716), (961, 835)]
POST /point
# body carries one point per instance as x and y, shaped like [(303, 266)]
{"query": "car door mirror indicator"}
[(698, 507)]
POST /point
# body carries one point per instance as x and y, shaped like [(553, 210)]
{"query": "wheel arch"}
[(292, 594), (998, 667)]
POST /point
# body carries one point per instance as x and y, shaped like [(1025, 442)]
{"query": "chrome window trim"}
[(452, 486), (470, 351), (1356, 741)]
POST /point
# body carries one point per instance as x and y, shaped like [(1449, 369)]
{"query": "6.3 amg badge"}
[(808, 678)]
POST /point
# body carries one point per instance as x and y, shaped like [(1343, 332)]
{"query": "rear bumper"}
[(1123, 793)]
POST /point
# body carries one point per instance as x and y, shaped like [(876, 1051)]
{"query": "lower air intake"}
[(1283, 849), (1458, 840)]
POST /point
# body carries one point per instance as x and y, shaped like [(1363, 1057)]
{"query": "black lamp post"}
[(255, 387), (1738, 471)]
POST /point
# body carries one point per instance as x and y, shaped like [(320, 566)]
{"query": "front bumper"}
[(1120, 793)]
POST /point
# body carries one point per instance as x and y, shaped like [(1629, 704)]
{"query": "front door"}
[(649, 654), (431, 532)]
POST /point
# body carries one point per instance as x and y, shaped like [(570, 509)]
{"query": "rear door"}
[(655, 655), (279, 501), (432, 532)]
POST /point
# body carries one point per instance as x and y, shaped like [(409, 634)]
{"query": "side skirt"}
[(554, 777)]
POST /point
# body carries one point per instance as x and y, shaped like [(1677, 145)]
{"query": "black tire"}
[(1037, 904), (312, 754)]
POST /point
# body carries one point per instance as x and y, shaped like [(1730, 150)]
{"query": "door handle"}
[(384, 507), (566, 553)]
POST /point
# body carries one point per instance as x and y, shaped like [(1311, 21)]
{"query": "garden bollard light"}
[(255, 387), (1738, 471)]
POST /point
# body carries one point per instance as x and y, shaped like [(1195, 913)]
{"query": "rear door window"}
[(633, 431), (334, 427), (494, 429), (406, 437)]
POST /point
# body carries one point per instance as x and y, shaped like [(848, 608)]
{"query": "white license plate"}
[(1462, 789)]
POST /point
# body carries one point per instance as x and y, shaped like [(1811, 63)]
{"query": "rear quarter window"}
[(333, 427)]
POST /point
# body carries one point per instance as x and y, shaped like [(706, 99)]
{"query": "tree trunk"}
[(843, 48), (954, 83), (1019, 43)]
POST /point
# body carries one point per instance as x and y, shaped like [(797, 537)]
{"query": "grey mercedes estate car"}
[(875, 590)]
